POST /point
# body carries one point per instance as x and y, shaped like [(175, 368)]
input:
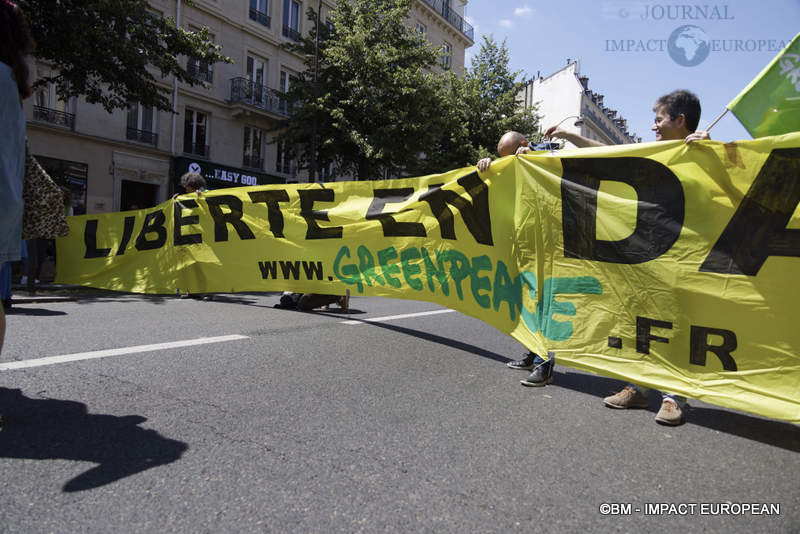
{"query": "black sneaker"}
[(523, 364), (542, 374)]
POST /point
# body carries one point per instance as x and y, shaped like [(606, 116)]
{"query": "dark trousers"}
[(309, 301)]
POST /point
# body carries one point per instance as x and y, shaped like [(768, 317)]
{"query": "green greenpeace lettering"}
[(547, 305), (488, 283), (421, 270)]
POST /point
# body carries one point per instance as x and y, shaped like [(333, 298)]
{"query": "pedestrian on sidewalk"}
[(15, 44)]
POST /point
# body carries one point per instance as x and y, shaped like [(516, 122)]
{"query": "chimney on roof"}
[(584, 82), (567, 61)]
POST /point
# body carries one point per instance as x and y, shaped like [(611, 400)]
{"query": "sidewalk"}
[(45, 292), (49, 292)]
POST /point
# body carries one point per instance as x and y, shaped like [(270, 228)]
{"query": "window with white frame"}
[(326, 173), (253, 141), (284, 163), (291, 19), (286, 79), (420, 27), (447, 56), (195, 133), (142, 124), (283, 85), (200, 68), (154, 20), (257, 69), (49, 107), (259, 12)]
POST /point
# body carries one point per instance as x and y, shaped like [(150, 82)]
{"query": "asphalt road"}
[(296, 422)]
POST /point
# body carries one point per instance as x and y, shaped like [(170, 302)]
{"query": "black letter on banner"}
[(476, 214), (127, 232), (271, 199), (392, 228), (153, 222), (758, 228), (700, 346), (185, 221), (233, 217), (643, 335), (307, 211), (90, 240), (659, 209)]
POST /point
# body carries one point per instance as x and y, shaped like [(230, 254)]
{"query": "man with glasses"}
[(677, 117)]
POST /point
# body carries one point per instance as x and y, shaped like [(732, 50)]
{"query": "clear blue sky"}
[(540, 36)]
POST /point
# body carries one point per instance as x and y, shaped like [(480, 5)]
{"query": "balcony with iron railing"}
[(443, 8), (196, 149), (143, 136), (54, 116), (261, 18), (259, 96), (291, 33)]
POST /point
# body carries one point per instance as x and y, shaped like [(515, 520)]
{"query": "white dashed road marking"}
[(393, 317), (78, 356)]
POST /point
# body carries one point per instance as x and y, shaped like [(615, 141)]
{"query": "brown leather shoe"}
[(627, 398), (670, 414)]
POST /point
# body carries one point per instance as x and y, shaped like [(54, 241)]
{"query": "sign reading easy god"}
[(218, 176)]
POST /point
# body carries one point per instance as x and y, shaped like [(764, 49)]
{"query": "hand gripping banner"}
[(667, 265)]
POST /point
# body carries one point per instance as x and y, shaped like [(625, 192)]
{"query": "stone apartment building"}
[(565, 96), (133, 158)]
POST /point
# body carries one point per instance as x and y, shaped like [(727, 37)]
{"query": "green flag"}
[(770, 104)]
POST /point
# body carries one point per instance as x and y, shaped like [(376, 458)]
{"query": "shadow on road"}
[(40, 312), (460, 345), (331, 312), (43, 429), (224, 298), (776, 433)]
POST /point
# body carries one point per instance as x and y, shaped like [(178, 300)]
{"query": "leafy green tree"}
[(477, 110), (377, 99), (101, 50), (490, 92)]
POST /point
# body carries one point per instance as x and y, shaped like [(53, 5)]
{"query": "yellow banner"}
[(667, 265)]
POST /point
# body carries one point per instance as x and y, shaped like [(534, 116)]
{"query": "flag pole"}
[(717, 119)]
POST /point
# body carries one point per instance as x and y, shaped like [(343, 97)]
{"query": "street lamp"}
[(578, 122)]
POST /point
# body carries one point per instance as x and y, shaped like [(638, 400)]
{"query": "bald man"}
[(541, 370), (508, 145)]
